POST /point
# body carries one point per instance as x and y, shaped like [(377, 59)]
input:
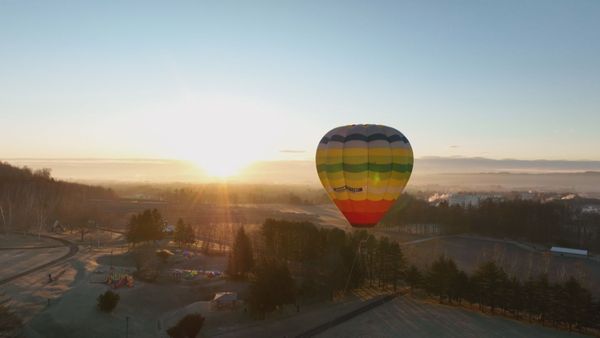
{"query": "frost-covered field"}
[(407, 317), (469, 252)]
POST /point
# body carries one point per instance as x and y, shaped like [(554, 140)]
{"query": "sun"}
[(221, 169), (221, 134), (223, 162)]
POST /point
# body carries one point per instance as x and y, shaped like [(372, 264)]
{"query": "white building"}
[(225, 300), (591, 209), (169, 228), (528, 196), (464, 200), (568, 252)]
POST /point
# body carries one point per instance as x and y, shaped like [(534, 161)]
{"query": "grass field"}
[(407, 317), (469, 252), (19, 253)]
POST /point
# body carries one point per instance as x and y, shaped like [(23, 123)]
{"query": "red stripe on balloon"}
[(364, 206), (363, 219)]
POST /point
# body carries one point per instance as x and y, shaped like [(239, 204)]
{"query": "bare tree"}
[(3, 219)]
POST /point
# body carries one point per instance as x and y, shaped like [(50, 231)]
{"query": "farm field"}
[(407, 317), (19, 253), (468, 252)]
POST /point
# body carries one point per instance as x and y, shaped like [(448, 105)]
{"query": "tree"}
[(462, 287), (145, 226), (577, 303), (516, 296), (382, 264), (397, 264), (272, 286), (190, 235), (187, 327), (179, 235), (108, 301), (413, 277), (490, 281), (184, 233), (241, 259), (370, 247), (541, 296), (442, 278)]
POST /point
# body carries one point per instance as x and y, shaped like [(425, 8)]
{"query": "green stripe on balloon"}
[(357, 168)]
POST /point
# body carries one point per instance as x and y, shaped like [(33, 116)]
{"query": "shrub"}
[(10, 323), (187, 327), (108, 301)]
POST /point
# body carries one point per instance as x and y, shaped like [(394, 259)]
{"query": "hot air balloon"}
[(364, 168)]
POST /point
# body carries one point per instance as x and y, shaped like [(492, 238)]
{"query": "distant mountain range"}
[(480, 164), (434, 172)]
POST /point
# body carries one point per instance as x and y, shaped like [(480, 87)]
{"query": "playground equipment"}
[(192, 274), (118, 280)]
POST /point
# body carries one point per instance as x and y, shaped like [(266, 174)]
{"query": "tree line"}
[(323, 262), (149, 225), (289, 261), (239, 193), (554, 223), (145, 226), (33, 200), (561, 304)]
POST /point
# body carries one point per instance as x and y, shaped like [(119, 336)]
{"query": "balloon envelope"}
[(364, 169)]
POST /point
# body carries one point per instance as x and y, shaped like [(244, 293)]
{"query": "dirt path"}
[(33, 247), (73, 249)]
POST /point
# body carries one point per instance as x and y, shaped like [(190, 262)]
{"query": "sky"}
[(225, 83)]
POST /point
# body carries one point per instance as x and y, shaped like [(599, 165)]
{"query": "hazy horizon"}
[(431, 173)]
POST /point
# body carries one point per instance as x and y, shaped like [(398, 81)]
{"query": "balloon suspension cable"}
[(360, 244)]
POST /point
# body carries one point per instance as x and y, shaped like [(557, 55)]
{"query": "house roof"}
[(558, 249)]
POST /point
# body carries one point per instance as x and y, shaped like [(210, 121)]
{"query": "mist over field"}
[(452, 173)]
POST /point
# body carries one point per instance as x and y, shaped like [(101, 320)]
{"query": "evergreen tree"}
[(180, 232), (397, 263), (190, 234), (184, 233), (490, 281), (516, 296), (442, 278), (577, 303), (145, 226), (272, 287), (241, 259), (413, 277), (541, 296)]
